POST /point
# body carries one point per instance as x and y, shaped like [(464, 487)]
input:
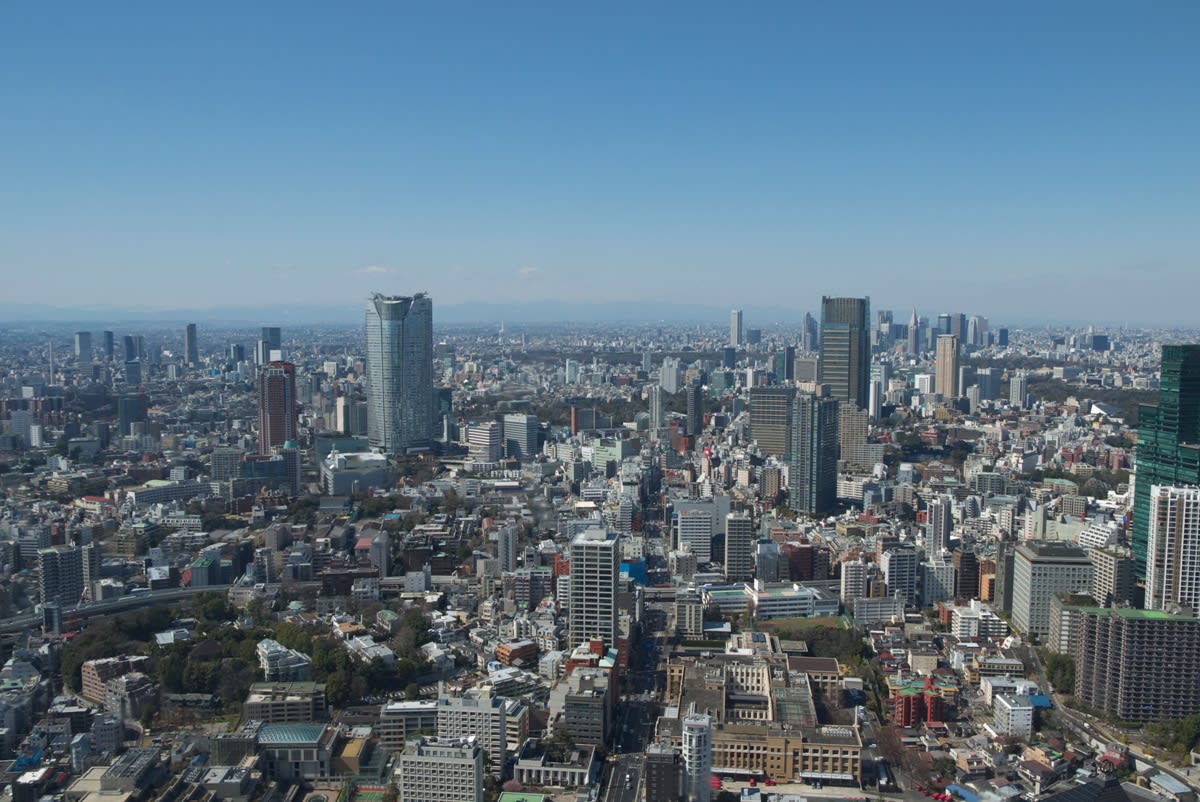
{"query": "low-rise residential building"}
[(281, 664), (1012, 716), (285, 702)]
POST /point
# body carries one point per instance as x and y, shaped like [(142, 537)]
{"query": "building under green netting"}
[(1168, 447)]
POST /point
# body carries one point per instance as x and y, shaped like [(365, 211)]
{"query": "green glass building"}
[(1168, 448)]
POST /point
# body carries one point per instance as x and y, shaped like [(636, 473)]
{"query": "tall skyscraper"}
[(83, 346), (1018, 389), (739, 547), (988, 382), (914, 333), (1168, 451), (276, 405), (814, 454), (809, 340), (697, 757), (594, 566), (131, 409), (695, 410), (845, 363), (1173, 548), (736, 336), (941, 524), (958, 325), (108, 345), (191, 348), (399, 372), (669, 376), (271, 340), (946, 366), (654, 395)]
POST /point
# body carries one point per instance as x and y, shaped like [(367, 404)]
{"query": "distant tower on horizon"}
[(914, 333), (276, 405), (191, 348), (399, 372), (845, 363), (736, 335), (270, 342), (83, 346)]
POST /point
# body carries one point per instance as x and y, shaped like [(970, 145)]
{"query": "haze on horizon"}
[(1022, 161)]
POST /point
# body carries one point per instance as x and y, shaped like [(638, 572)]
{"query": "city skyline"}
[(504, 157)]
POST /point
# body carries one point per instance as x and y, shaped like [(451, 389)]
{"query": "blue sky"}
[(1031, 160)]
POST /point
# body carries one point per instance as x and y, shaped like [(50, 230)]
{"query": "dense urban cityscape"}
[(875, 554), (599, 402)]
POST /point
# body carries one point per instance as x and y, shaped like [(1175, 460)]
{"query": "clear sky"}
[(1033, 159)]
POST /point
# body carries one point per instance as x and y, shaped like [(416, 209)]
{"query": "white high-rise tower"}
[(399, 372)]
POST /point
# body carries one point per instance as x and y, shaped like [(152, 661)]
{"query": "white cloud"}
[(375, 270), (528, 271)]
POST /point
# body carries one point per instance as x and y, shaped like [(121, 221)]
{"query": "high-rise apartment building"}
[(771, 418), (1042, 569), (507, 538), (191, 347), (1018, 389), (694, 423), (946, 366), (595, 567), (1173, 550), (845, 363), (276, 405), (61, 575), (1114, 581), (940, 516), (654, 396), (853, 581), (1137, 665), (108, 341), (814, 454), (1168, 451), (739, 547), (697, 757), (736, 336), (670, 375), (399, 372), (966, 574), (901, 568)]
